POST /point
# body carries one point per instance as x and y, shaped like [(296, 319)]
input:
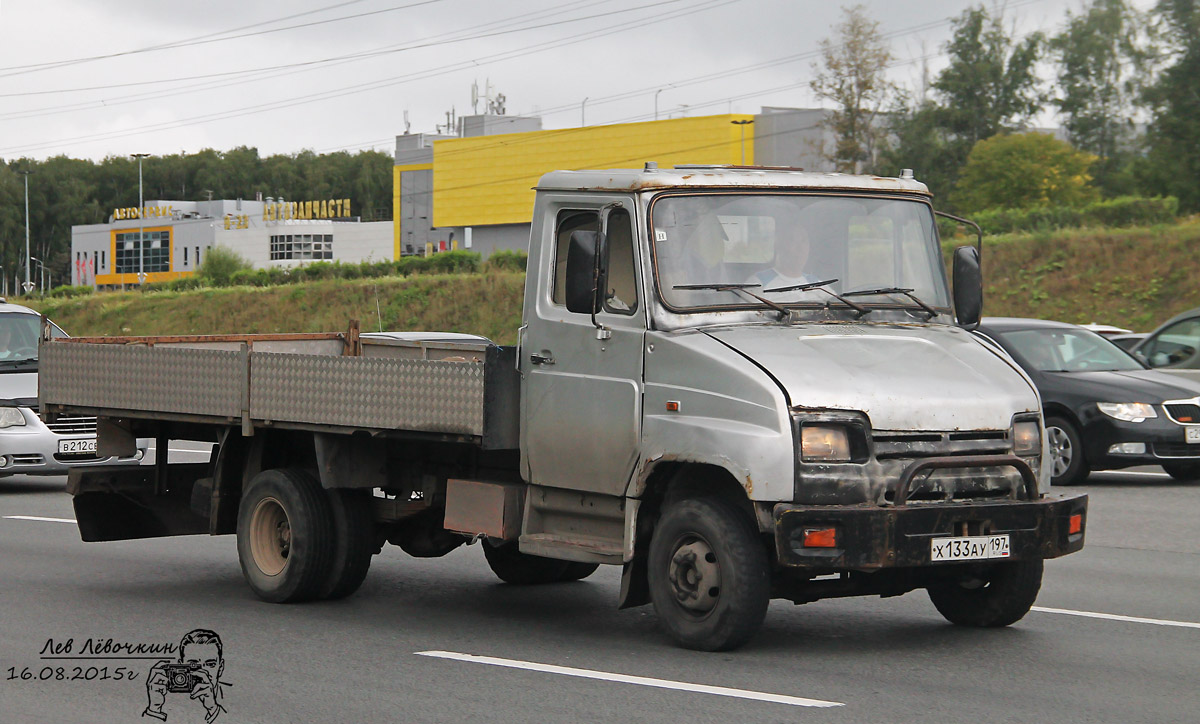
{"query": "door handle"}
[(538, 358)]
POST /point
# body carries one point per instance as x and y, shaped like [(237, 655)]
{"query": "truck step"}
[(575, 548)]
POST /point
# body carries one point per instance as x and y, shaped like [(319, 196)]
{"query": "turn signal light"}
[(1075, 524), (820, 537)]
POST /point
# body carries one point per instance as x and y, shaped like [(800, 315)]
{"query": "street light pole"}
[(28, 285), (141, 221)]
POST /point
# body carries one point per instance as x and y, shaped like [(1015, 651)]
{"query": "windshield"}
[(1068, 350), (780, 240), (19, 336)]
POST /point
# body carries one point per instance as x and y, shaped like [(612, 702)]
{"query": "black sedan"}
[(1104, 408)]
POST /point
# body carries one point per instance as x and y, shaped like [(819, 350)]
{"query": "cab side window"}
[(568, 221), (621, 295)]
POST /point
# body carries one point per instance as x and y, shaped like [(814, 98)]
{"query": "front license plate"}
[(973, 548), (1191, 434), (77, 446)]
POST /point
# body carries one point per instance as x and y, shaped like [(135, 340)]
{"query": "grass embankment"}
[(1133, 278), (487, 304)]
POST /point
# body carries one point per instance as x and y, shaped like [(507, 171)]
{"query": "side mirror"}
[(585, 273), (968, 287)]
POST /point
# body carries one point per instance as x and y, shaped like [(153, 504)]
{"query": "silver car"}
[(28, 445)]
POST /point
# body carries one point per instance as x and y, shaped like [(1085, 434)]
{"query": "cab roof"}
[(710, 177)]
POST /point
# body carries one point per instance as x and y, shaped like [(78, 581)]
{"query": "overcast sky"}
[(92, 78)]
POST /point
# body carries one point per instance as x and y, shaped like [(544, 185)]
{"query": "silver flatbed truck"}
[(736, 383)]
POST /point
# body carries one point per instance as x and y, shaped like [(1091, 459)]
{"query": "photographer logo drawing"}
[(197, 674)]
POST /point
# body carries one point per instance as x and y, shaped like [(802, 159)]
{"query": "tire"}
[(577, 571), (1184, 471), (353, 542), (708, 573), (1001, 596), (522, 569), (1067, 462), (285, 536)]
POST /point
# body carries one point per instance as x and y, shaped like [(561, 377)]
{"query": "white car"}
[(28, 445)]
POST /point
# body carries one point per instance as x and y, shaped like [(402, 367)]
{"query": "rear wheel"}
[(708, 574), (1183, 471), (1067, 464), (998, 595), (353, 542), (285, 536)]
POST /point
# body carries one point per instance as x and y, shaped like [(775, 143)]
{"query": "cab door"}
[(581, 403)]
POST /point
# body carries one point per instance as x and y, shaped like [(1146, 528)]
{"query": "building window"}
[(301, 246), (185, 256), (131, 257), (103, 259), (197, 257)]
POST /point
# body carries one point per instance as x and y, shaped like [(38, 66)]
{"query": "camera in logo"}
[(181, 677)]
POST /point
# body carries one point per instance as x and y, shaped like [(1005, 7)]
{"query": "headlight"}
[(824, 443), (1127, 411), (11, 417), (1027, 438)]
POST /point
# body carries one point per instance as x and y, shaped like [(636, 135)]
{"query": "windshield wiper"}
[(821, 286), (896, 290), (17, 362), (744, 289)]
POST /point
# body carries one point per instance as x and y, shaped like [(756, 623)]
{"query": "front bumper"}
[(1165, 440), (873, 537), (32, 449)]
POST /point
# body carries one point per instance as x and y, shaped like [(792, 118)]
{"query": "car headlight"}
[(1128, 411), (824, 443), (11, 417), (1027, 438)]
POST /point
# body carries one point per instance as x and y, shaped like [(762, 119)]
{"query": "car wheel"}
[(1067, 464), (285, 536), (708, 574), (1000, 594), (1183, 471)]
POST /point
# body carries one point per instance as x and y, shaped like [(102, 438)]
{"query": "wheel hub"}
[(270, 536), (1061, 452), (695, 576)]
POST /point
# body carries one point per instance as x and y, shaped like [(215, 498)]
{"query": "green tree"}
[(1172, 166), (220, 264), (989, 86), (1097, 55), (853, 78), (1024, 170)]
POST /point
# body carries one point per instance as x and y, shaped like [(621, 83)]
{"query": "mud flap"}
[(129, 502)]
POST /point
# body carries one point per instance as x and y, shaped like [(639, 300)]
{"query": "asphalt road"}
[(360, 660)]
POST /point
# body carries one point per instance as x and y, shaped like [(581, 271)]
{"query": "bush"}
[(507, 260), (1123, 211), (67, 292), (220, 264), (451, 262)]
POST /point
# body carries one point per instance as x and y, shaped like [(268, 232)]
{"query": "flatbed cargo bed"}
[(456, 385)]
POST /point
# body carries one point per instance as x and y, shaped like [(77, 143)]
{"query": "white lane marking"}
[(627, 679), (1118, 617), (41, 519)]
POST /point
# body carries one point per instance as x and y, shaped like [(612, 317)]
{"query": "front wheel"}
[(708, 574), (1067, 464), (1185, 472), (998, 595)]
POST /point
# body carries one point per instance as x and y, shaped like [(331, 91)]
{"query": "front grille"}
[(894, 444), (75, 457), (1176, 450), (28, 459), (1183, 412), (72, 425)]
